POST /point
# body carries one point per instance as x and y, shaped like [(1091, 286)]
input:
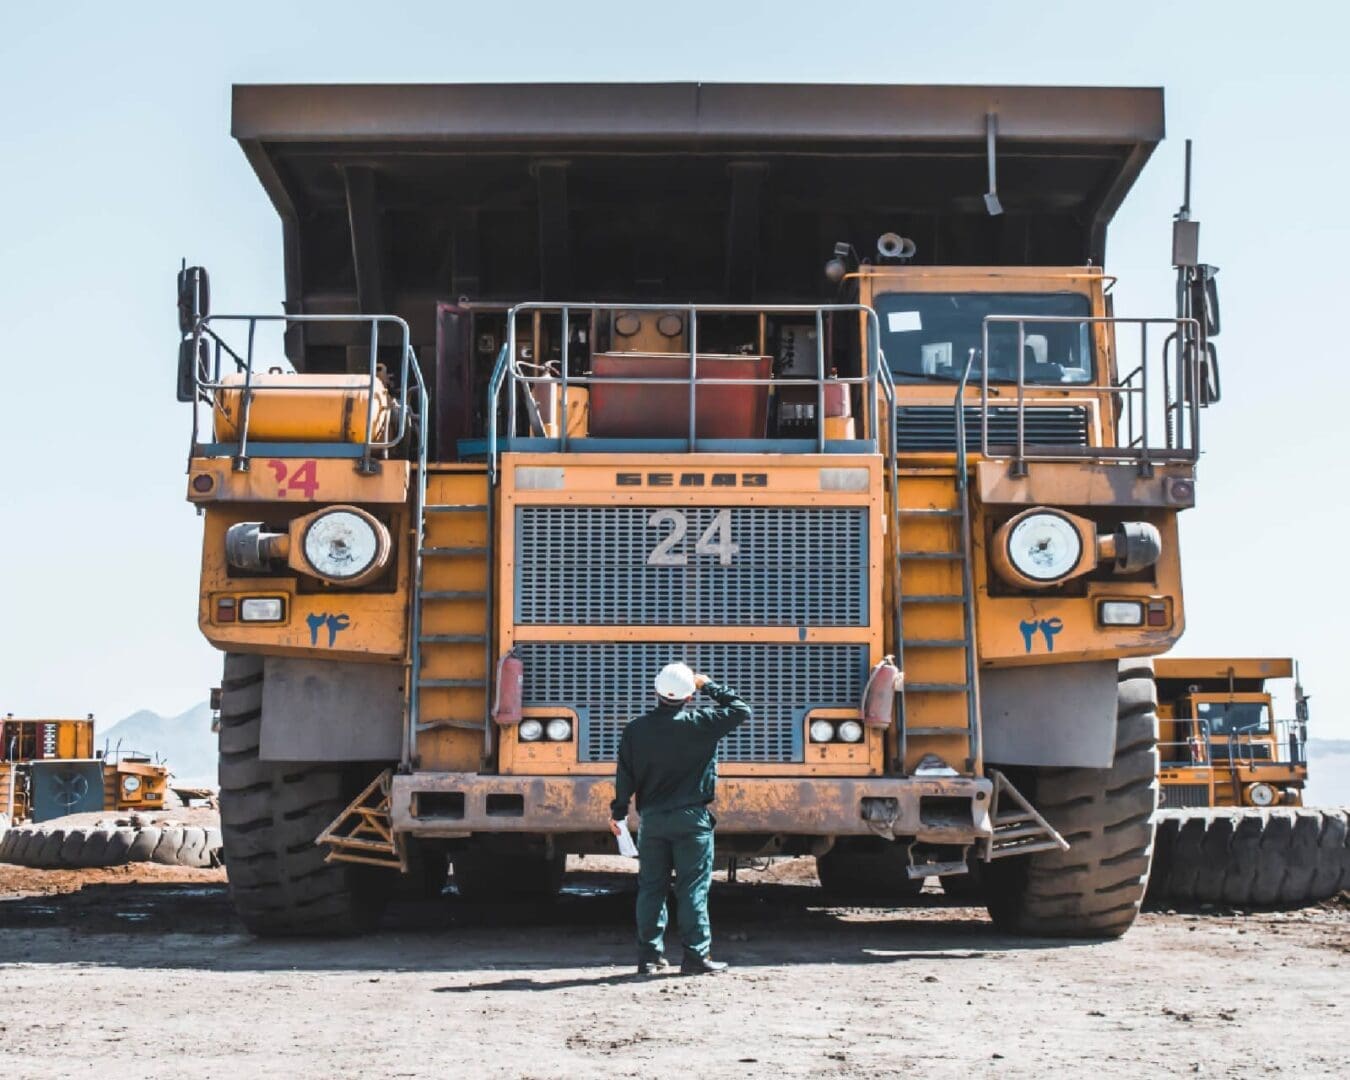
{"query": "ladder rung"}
[(452, 594), (934, 643), (1013, 819), (962, 732), (450, 721), (934, 598), (936, 687), (451, 684), (453, 639), (444, 551), (454, 508), (1019, 832), (928, 511), (1000, 852)]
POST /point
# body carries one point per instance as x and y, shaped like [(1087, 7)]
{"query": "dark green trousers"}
[(682, 841)]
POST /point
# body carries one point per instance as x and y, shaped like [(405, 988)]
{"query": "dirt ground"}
[(143, 971)]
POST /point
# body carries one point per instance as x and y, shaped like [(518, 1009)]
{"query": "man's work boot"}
[(659, 966), (694, 964)]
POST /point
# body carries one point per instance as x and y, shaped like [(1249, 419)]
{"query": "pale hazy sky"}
[(117, 160)]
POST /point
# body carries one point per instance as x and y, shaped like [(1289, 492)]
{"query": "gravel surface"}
[(141, 970)]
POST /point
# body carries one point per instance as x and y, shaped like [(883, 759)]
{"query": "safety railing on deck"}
[(1156, 405), (208, 383), (508, 369)]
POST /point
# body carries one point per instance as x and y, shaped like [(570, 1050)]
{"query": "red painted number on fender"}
[(305, 479)]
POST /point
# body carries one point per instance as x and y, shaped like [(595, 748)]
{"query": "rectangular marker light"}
[(1121, 613), (262, 609)]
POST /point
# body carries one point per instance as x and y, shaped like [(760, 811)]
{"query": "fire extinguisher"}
[(878, 703), (506, 707)]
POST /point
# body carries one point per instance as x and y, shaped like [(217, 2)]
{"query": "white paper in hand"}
[(625, 839)]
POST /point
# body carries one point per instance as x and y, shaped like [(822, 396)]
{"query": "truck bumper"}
[(947, 810)]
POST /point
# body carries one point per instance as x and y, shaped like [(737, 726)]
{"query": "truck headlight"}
[(344, 545), (1044, 546), (1121, 613), (558, 730), (821, 731), (850, 731), (131, 784), (1261, 795), (530, 730)]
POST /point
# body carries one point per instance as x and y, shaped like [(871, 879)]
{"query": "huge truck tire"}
[(270, 815), (1096, 888), (1248, 857), (52, 847), (867, 869), (488, 876)]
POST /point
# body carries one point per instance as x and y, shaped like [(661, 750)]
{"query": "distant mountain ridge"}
[(185, 741)]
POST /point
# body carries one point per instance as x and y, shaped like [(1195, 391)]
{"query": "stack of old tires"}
[(111, 843), (1284, 856)]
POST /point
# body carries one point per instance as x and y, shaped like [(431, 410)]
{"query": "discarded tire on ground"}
[(110, 844), (1095, 889), (1284, 856)]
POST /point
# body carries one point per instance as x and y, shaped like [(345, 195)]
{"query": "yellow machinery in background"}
[(75, 778), (1233, 827), (447, 548), (1221, 743)]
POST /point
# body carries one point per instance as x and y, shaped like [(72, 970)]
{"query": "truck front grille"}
[(1175, 796), (609, 683), (590, 566), (933, 427)]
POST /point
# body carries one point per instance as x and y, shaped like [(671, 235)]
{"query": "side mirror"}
[(194, 297), (192, 369), (1211, 301), (1211, 388)]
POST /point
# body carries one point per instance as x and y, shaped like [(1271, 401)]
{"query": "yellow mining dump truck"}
[(799, 384), (1232, 828), (49, 768), (1220, 742)]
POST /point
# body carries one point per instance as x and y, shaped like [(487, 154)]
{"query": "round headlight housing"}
[(821, 731), (345, 545), (531, 730), (1261, 795), (1044, 546), (131, 784), (558, 730), (850, 731)]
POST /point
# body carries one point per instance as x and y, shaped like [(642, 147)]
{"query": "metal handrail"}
[(505, 366), (206, 389), (1175, 448), (974, 730)]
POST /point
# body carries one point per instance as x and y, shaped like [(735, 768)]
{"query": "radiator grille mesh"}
[(933, 427), (611, 682), (588, 565), (1172, 796)]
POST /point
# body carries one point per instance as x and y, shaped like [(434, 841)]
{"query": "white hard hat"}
[(676, 682)]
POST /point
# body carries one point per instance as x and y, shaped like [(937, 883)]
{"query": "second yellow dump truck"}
[(1233, 828), (803, 385)]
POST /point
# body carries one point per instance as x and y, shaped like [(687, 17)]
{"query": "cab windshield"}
[(930, 335), (1235, 717)]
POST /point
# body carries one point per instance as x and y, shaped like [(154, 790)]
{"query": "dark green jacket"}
[(667, 756)]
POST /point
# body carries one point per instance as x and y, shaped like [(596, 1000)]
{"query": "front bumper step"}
[(946, 810)]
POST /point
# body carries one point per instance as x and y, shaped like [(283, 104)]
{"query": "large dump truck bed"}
[(394, 197)]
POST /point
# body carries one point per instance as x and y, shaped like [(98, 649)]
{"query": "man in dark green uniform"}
[(667, 759)]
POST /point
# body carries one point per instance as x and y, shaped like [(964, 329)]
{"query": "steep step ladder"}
[(937, 618), (452, 646)]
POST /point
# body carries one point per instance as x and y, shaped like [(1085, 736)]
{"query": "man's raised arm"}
[(728, 714)]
